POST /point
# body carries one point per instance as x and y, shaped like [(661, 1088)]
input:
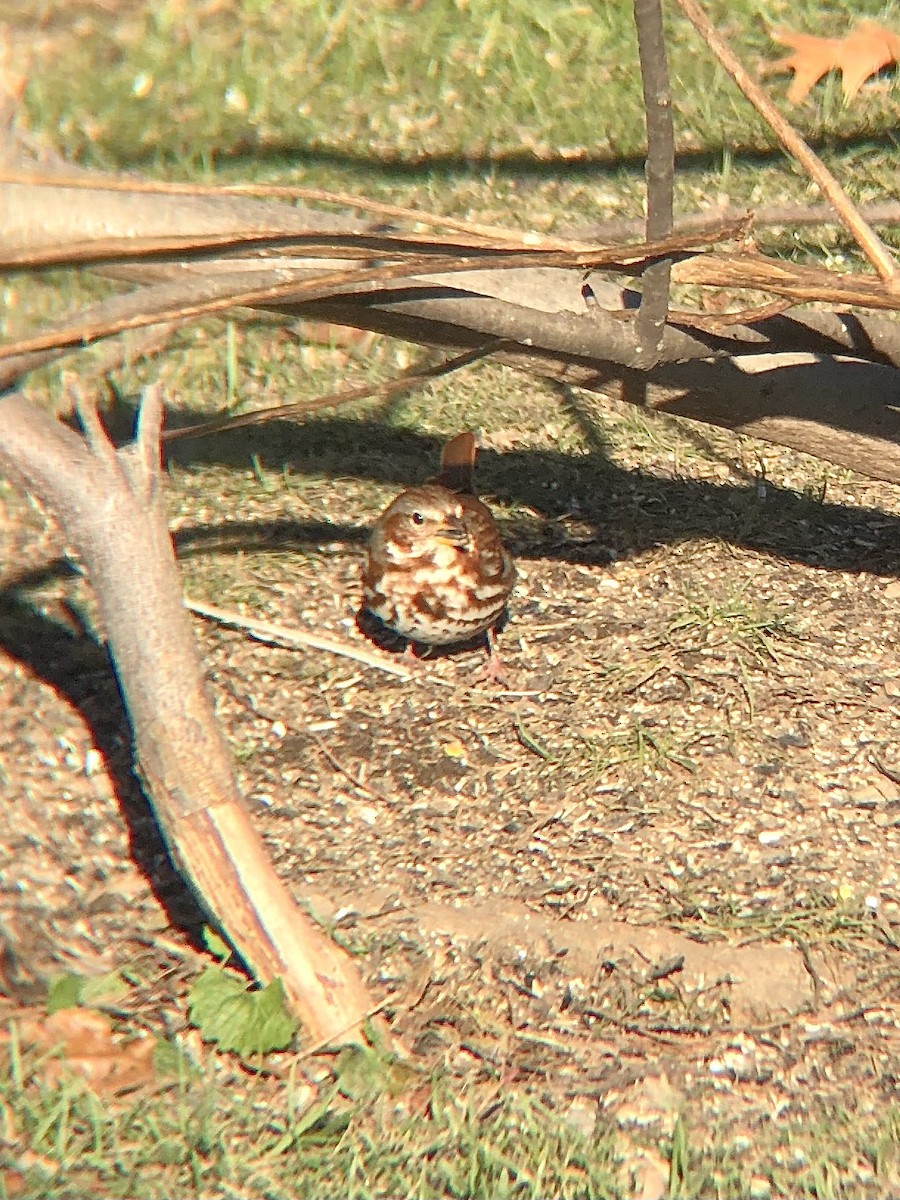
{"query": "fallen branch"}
[(617, 229), (295, 282), (109, 504), (538, 309)]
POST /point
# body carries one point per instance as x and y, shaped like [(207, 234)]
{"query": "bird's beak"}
[(452, 533)]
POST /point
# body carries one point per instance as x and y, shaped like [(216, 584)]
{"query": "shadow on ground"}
[(622, 511), (522, 166), (577, 509), (76, 666)]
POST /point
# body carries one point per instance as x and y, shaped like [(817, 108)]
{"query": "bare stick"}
[(282, 412), (85, 405), (36, 178), (885, 212), (660, 174), (716, 322), (271, 631), (867, 239)]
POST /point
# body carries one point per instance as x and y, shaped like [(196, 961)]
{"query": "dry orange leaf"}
[(863, 52), (12, 1182), (91, 1049)]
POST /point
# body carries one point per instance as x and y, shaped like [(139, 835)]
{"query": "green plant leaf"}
[(226, 1012), (70, 991), (64, 992), (364, 1072), (217, 946)]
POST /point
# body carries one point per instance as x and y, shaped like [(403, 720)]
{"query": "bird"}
[(437, 571)]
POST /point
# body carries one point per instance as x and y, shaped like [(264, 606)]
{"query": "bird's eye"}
[(418, 519)]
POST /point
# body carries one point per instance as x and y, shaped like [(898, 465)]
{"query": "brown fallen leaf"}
[(863, 52), (90, 1048), (327, 334), (12, 1182)]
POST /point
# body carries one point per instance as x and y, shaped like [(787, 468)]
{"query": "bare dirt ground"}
[(657, 876), (656, 879)]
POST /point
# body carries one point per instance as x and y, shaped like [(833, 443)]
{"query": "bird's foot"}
[(493, 671)]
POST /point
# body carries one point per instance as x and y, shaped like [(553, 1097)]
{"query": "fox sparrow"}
[(437, 570)]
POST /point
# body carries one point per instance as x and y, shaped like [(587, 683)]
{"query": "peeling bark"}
[(109, 505)]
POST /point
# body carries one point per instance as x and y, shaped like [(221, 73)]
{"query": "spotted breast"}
[(437, 570)]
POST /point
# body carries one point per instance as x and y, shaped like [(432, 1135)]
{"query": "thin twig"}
[(270, 631), (245, 700), (660, 174), (714, 322), (886, 212), (334, 1040), (147, 435), (104, 183), (84, 404), (281, 412), (299, 288), (868, 240)]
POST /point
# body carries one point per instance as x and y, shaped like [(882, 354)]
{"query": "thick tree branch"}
[(538, 307), (109, 506)]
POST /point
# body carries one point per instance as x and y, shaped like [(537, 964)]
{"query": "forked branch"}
[(109, 505)]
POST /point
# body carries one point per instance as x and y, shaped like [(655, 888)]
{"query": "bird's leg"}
[(492, 671)]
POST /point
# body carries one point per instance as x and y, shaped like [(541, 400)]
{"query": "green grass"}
[(238, 1137), (736, 622), (809, 1160), (429, 106), (595, 759), (440, 102), (815, 920)]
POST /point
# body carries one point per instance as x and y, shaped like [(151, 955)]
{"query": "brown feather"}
[(437, 571)]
